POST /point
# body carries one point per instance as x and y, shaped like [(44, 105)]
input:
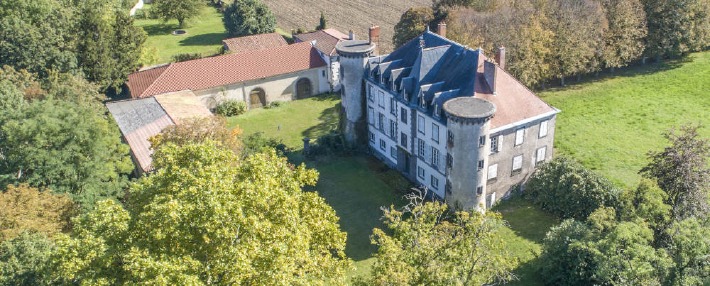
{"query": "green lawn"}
[(609, 125), (204, 35), (292, 121)]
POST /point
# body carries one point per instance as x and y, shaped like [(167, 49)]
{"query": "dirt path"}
[(344, 15)]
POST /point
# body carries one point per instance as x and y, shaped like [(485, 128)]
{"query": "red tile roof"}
[(325, 39), (254, 42), (227, 69), (514, 102), (138, 82), (140, 146)]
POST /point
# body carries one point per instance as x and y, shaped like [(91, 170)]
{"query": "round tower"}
[(353, 58), (468, 120)]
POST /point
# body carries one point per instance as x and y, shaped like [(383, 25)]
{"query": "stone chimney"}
[(441, 29), (374, 37), (500, 57), (351, 35), (489, 74)]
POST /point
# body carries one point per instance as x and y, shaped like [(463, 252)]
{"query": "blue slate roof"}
[(426, 72)]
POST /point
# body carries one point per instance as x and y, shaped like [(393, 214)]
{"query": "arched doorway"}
[(303, 88), (257, 98)]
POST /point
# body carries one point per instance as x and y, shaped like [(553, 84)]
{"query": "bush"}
[(257, 143), (568, 190), (328, 144), (186, 57), (274, 104), (248, 17), (231, 108)]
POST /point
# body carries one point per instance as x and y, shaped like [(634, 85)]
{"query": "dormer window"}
[(422, 102), (437, 110)]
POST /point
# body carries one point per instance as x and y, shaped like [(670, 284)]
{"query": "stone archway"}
[(304, 89), (257, 98)]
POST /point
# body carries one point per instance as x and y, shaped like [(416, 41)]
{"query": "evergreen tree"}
[(322, 23)]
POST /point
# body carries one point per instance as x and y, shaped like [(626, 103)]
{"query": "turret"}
[(353, 58), (468, 147)]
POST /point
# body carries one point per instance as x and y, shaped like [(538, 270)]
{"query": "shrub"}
[(328, 144), (257, 143), (186, 57), (231, 108), (274, 104), (568, 190)]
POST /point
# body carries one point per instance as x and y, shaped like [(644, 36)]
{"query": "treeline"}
[(556, 39), (94, 39), (654, 234)]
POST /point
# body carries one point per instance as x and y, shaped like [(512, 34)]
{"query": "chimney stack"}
[(441, 29), (374, 37), (351, 35), (500, 57)]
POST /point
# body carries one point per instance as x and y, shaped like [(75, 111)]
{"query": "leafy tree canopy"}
[(180, 10), (248, 17), (26, 260), (412, 23), (429, 245), (23, 208), (207, 217)]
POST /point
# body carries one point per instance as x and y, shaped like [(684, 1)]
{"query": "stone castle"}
[(445, 116)]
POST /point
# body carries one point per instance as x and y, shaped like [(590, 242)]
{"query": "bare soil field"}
[(344, 15)]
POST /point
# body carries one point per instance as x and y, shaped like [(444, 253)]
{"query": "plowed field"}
[(344, 15)]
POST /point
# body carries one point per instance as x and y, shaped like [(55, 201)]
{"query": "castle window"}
[(393, 106), (371, 136), (492, 171), (403, 139), (381, 99), (435, 132), (437, 110), (383, 145), (540, 156), (434, 182), (381, 122), (371, 94), (422, 102), (449, 160), (403, 115), (371, 115), (494, 144), (519, 136), (323, 73), (481, 164), (448, 187), (435, 157), (420, 172), (517, 163), (421, 150), (420, 124), (393, 130), (543, 129), (450, 138), (482, 141), (393, 152), (479, 190)]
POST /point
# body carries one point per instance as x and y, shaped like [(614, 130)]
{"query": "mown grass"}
[(610, 124), (292, 121), (204, 34)]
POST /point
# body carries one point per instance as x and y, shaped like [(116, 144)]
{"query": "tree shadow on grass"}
[(160, 29), (633, 70), (526, 219), (203, 39), (528, 273), (328, 118)]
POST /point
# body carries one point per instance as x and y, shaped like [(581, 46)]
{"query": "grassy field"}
[(610, 124), (292, 121), (204, 35)]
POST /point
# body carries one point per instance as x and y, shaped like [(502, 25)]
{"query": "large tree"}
[(208, 217), (60, 138), (682, 171), (427, 244), (412, 23), (624, 38), (676, 27), (180, 10), (24, 208), (248, 17), (25, 260)]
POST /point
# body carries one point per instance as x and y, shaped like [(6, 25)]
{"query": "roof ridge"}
[(142, 95)]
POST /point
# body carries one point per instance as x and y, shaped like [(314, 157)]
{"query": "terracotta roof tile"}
[(514, 102), (232, 68), (138, 82), (325, 40), (254, 42)]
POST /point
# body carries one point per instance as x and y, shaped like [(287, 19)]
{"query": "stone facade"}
[(468, 136)]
